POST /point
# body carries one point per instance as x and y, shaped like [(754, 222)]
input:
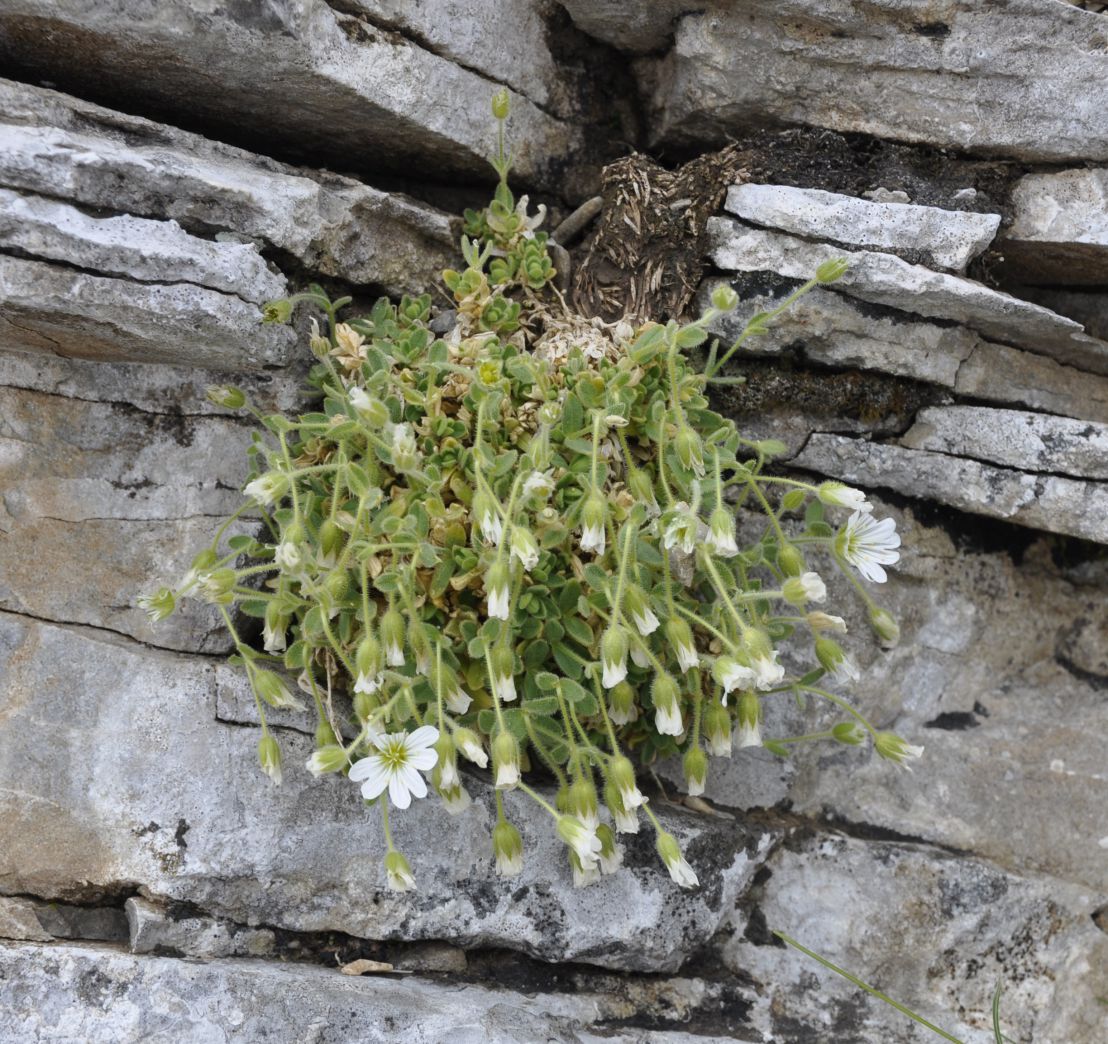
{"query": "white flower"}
[(613, 656), (394, 654), (732, 675), (612, 860), (398, 874), (273, 640), (631, 796), (626, 821), (507, 775), (287, 555), (455, 799), (899, 751), (749, 734), (719, 744), (581, 839), (837, 494), (492, 529), (687, 658), (681, 530), (646, 622), (593, 538), (369, 683), (721, 533), (767, 671), (808, 587), (396, 765), (448, 774), (823, 622), (458, 700), (583, 874), (509, 863), (621, 715), (267, 488), (498, 603), (667, 719), (639, 656), (359, 400), (471, 749), (524, 548), (614, 672), (505, 686), (675, 862), (539, 483), (868, 544)]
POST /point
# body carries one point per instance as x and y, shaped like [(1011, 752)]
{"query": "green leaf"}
[(546, 681), (253, 607), (578, 630), (573, 692), (536, 653), (793, 499), (570, 665), (240, 543), (440, 580), (541, 706)]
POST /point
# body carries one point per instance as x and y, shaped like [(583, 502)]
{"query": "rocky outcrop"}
[(909, 70), (166, 169)]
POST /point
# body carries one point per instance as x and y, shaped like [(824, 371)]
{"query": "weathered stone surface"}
[(999, 674), (100, 996), (998, 373), (68, 921), (1015, 439), (472, 34), (1059, 231), (162, 794), (152, 929), (887, 280), (59, 146), (345, 91), (18, 921), (909, 70), (1056, 504), (832, 329), (933, 930), (641, 26), (60, 311), (947, 239), (134, 248)]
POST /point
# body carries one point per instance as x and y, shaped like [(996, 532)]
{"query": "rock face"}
[(349, 90), (947, 239), (166, 169), (910, 70)]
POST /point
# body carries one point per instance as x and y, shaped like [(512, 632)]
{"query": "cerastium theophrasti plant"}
[(515, 542)]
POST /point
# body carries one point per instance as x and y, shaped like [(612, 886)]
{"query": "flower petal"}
[(413, 781), (399, 794), (375, 785), (424, 758), (363, 768), (424, 736)]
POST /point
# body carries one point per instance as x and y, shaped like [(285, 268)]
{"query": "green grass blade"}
[(1000, 1038), (871, 990)]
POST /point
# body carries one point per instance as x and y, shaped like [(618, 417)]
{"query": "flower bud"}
[(818, 621), (611, 855), (503, 673), (501, 104), (891, 747), (690, 450), (838, 495), (159, 605), (789, 560), (831, 270), (594, 516), (507, 847), (375, 412), (445, 773), (398, 872), (613, 655), (365, 703), (331, 758), (670, 852), (750, 720), (392, 635), (277, 311), (505, 760), (581, 839), (835, 661), (497, 590), (849, 732), (486, 518), (332, 538), (217, 586), (695, 764), (621, 774), (808, 587), (642, 489), (667, 708), (582, 802), (320, 346), (469, 743), (637, 605), (721, 533), (621, 704), (267, 488), (625, 819), (884, 625), (273, 690), (524, 547), (680, 638), (717, 729), (724, 298), (269, 755), (226, 395)]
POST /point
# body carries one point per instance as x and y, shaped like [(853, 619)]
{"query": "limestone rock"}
[(887, 280), (1015, 439), (911, 70), (19, 921), (134, 248), (640, 26), (101, 996), (933, 930), (347, 92), (1059, 231), (1050, 502), (163, 794), (947, 239), (61, 147), (152, 929)]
